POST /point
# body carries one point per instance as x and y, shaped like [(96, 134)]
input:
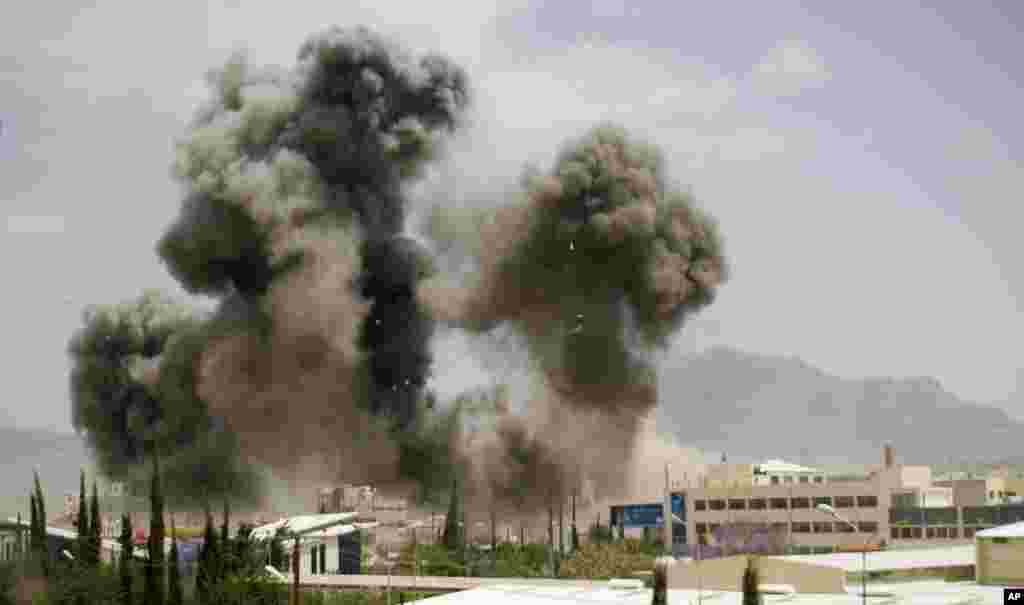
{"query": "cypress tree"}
[(206, 574), (156, 576), (451, 523), (95, 527), (40, 529), (225, 561), (82, 523), (750, 581), (127, 561), (32, 514), (174, 592)]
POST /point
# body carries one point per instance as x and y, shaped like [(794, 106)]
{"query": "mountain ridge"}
[(773, 406)]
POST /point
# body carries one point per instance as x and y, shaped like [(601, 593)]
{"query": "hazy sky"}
[(864, 160)]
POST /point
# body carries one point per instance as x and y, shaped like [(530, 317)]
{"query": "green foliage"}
[(453, 533), (83, 585), (156, 570), (9, 574), (95, 527), (604, 561), (600, 534), (39, 540), (82, 546), (126, 564)]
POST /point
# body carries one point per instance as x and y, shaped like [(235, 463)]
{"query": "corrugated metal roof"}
[(1013, 530)]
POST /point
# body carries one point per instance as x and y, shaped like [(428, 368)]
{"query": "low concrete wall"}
[(727, 574)]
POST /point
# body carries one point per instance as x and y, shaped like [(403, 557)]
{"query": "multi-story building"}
[(890, 504)]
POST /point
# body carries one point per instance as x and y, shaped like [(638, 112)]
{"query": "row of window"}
[(801, 479), (918, 533), (805, 527), (785, 503)]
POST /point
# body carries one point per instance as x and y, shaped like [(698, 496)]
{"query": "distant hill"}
[(777, 407), (58, 458)]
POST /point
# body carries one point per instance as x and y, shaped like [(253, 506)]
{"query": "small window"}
[(700, 505), (819, 479), (929, 532), (867, 501), (775, 480), (916, 533), (894, 533), (758, 504), (702, 528), (779, 503), (941, 532), (804, 479), (826, 500), (905, 533), (954, 532), (844, 528), (713, 527), (801, 527), (800, 502), (867, 527), (716, 504), (822, 527), (844, 501), (737, 504), (968, 532)]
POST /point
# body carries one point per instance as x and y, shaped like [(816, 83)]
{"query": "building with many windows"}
[(893, 504)]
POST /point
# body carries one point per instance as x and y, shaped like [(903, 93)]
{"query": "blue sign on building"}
[(646, 515)]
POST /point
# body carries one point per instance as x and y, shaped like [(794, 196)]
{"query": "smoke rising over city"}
[(316, 360)]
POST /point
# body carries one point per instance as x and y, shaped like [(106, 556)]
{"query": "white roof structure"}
[(310, 524), (918, 593), (894, 559), (1013, 530), (782, 467)]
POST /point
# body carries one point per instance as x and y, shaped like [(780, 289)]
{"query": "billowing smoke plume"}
[(316, 359), (293, 218), (596, 266), (133, 395)]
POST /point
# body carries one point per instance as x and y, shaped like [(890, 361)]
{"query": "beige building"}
[(1000, 555), (791, 509)]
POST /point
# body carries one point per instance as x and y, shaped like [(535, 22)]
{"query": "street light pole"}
[(828, 510)]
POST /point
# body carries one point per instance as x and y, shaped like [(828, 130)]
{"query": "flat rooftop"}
[(884, 560), (916, 593)]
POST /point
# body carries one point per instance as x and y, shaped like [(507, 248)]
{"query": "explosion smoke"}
[(317, 357), (599, 263), (132, 393), (293, 218)]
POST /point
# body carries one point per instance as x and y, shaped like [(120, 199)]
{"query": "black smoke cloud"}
[(317, 358), (295, 183), (133, 394)]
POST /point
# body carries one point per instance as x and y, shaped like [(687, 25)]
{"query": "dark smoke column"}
[(366, 122), (293, 217)]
